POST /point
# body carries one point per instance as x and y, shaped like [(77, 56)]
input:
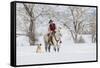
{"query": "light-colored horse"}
[(55, 41)]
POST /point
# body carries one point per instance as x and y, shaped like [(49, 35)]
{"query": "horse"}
[(52, 40)]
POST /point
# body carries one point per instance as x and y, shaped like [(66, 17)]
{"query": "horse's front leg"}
[(49, 47), (46, 46), (58, 47), (54, 48)]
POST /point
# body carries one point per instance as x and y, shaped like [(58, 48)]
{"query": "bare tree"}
[(29, 15), (29, 11), (31, 32), (93, 29), (77, 15)]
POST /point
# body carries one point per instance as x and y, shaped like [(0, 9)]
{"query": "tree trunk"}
[(32, 32), (76, 38)]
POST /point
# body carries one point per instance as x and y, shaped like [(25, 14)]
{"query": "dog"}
[(39, 48)]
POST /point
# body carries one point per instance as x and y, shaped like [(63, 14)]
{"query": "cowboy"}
[(52, 27), (52, 30)]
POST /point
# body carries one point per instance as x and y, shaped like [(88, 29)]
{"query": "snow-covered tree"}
[(78, 18), (93, 29)]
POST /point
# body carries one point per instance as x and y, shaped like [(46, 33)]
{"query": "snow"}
[(69, 52), (22, 41)]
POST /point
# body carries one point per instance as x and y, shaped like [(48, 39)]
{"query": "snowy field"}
[(69, 52), (71, 21)]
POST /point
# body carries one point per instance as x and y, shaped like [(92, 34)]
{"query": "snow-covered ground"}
[(69, 52)]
